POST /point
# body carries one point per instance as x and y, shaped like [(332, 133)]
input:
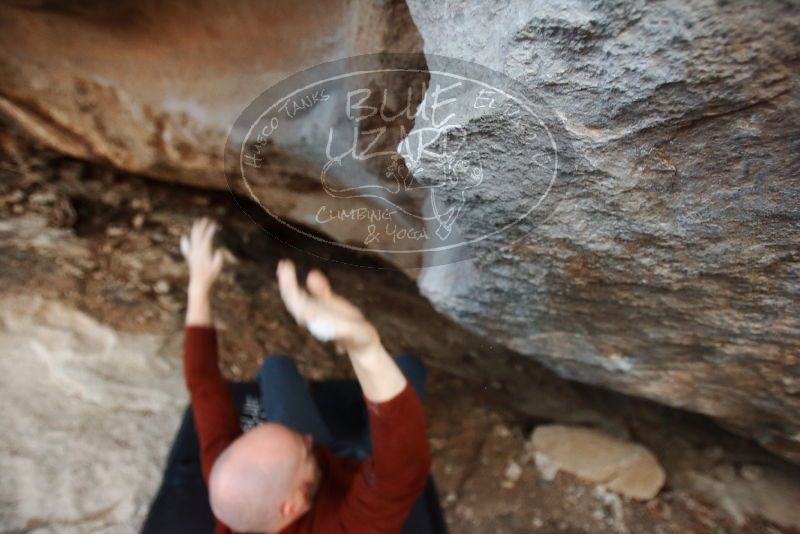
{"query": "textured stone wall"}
[(666, 262), (154, 88)]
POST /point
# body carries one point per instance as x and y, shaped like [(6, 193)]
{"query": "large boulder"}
[(154, 89), (665, 264)]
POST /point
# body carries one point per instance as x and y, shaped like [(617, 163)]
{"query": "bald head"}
[(258, 483)]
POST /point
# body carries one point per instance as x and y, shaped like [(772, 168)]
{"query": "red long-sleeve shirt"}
[(355, 497)]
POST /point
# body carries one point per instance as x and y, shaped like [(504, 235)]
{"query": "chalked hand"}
[(326, 315), (204, 262)]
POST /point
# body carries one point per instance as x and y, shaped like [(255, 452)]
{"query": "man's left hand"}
[(204, 263)]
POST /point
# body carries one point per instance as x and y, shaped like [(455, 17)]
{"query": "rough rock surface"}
[(667, 264), (621, 466), (155, 89), (88, 415), (754, 489)]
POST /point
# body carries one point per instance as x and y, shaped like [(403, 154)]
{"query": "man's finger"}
[(293, 297), (207, 233), (211, 228), (320, 288), (202, 228), (216, 261), (195, 234), (184, 246), (318, 284)]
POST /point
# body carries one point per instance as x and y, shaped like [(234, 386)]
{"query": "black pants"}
[(333, 411)]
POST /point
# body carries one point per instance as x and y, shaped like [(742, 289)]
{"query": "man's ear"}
[(286, 508), (289, 506)]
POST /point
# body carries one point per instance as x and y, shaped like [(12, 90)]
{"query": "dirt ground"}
[(483, 401)]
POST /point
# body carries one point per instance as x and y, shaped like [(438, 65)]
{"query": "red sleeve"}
[(215, 417), (390, 481)]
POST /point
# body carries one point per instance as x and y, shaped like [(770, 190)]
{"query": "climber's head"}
[(264, 480)]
